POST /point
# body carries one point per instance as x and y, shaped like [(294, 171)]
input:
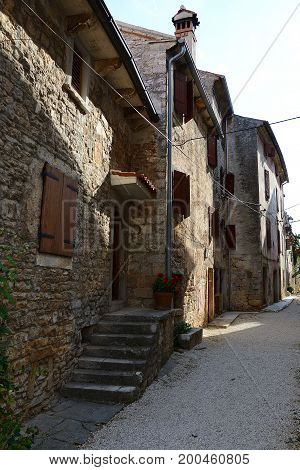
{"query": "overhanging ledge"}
[(132, 185)]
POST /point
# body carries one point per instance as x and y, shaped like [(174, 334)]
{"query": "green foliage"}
[(296, 248), (290, 289), (181, 328), (12, 436)]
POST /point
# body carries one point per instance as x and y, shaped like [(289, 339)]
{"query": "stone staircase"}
[(122, 355)]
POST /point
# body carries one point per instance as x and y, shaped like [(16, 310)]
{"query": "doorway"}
[(116, 256)]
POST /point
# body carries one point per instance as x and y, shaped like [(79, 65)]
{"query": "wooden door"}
[(210, 294)]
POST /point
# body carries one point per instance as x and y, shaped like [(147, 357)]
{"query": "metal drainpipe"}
[(169, 237), (228, 214)]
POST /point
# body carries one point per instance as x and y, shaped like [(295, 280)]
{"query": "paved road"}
[(240, 392)]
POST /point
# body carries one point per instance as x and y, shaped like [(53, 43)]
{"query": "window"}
[(183, 96), (277, 200), (267, 185), (278, 242), (77, 71), (58, 215), (229, 183), (216, 223), (181, 193), (231, 237), (268, 234), (212, 150)]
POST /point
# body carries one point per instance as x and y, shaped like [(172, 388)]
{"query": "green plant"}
[(12, 434), (164, 284), (290, 289), (181, 328)]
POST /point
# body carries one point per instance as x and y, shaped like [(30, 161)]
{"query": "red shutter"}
[(229, 183), (69, 208), (181, 193), (180, 93), (268, 232), (231, 237), (190, 101), (58, 215), (212, 156)]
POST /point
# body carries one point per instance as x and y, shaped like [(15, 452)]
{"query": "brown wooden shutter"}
[(190, 101), (231, 237), (58, 214), (180, 93), (212, 156), (268, 233), (209, 217), (50, 226), (216, 224), (77, 67), (181, 193), (69, 209), (267, 185), (278, 242), (229, 183)]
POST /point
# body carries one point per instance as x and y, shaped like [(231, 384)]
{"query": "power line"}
[(144, 117)]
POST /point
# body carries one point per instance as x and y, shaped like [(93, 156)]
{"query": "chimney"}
[(186, 22)]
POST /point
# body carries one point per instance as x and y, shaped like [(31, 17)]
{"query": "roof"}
[(209, 79), (112, 30), (272, 136)]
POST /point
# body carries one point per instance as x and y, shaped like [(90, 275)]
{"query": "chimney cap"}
[(185, 14)]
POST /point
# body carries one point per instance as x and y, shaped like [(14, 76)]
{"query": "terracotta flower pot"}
[(163, 300)]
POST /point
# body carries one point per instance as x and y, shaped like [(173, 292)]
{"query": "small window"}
[(231, 237), (181, 193), (77, 71), (268, 234), (267, 185), (212, 150)]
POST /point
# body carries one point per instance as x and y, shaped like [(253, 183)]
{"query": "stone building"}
[(255, 226), (70, 147), (195, 128)]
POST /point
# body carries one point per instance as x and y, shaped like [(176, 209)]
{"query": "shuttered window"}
[(77, 69), (216, 223), (58, 215), (231, 237), (181, 193), (278, 242), (267, 185), (183, 96), (268, 234), (229, 183), (212, 154), (180, 93)]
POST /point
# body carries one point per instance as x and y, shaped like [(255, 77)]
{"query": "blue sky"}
[(232, 38)]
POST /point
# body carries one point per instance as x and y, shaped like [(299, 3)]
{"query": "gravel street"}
[(237, 390)]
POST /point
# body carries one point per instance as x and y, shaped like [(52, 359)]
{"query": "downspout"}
[(169, 238), (228, 214)]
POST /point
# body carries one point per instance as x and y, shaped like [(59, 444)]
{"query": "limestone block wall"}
[(40, 123)]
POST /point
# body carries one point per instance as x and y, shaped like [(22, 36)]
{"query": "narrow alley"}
[(236, 390)]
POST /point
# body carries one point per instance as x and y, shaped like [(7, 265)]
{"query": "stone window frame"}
[(81, 100)]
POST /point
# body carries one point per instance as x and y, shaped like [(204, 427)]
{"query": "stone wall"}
[(40, 122)]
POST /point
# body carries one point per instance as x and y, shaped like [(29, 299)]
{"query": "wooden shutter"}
[(180, 93), (190, 101), (231, 237), (268, 233), (58, 214), (212, 156), (77, 67), (229, 183), (181, 193), (267, 185), (216, 224), (278, 242), (209, 217), (69, 209)]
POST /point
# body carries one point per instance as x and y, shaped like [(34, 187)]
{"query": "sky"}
[(233, 38)]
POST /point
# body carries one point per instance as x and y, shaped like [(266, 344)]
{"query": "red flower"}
[(166, 280), (160, 275)]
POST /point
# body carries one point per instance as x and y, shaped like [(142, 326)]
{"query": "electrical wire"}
[(232, 196)]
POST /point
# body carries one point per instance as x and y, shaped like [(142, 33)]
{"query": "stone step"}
[(110, 377), (138, 328), (105, 363), (121, 339), (117, 352), (127, 317), (101, 393)]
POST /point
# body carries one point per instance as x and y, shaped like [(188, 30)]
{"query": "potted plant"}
[(163, 291)]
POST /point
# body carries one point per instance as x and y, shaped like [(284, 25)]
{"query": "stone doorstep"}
[(278, 306), (191, 339), (224, 320)]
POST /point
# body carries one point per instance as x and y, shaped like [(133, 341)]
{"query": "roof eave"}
[(112, 30), (278, 149)]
